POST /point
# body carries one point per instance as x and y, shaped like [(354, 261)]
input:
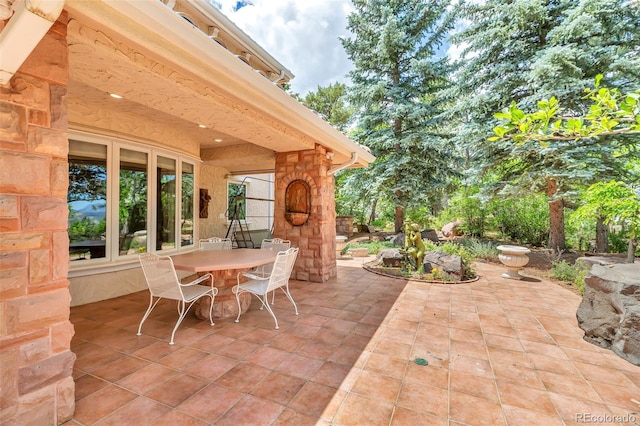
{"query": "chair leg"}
[(237, 290), (285, 290), (183, 313), (265, 302), (146, 314), (211, 311)]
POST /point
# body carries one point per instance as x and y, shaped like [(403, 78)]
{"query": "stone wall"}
[(35, 333), (317, 238), (344, 225)]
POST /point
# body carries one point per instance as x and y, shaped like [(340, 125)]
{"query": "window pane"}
[(166, 202), (133, 202), (186, 226), (87, 200), (236, 201)]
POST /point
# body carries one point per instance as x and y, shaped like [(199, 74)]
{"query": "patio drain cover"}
[(421, 361)]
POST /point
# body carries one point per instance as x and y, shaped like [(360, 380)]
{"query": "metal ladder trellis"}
[(238, 229), (240, 235)]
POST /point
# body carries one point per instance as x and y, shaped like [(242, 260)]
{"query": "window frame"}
[(113, 260)]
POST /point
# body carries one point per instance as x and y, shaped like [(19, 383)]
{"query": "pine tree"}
[(396, 76), (525, 50)]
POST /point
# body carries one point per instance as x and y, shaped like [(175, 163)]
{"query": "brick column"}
[(317, 238), (35, 332)]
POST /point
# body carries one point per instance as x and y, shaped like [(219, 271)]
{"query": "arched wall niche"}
[(297, 202)]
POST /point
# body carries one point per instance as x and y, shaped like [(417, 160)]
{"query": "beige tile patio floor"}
[(499, 352)]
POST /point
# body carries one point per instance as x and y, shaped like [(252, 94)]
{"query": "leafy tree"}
[(617, 202), (524, 50), (396, 76), (611, 113), (331, 104)]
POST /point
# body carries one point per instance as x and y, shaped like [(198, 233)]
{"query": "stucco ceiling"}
[(168, 91)]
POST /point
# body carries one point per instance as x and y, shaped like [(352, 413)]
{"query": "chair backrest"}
[(276, 244), (216, 243), (161, 276), (282, 268)]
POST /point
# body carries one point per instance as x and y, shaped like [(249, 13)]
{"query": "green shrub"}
[(524, 219), (618, 241), (481, 249), (467, 206), (573, 274), (373, 247), (421, 216), (579, 233)]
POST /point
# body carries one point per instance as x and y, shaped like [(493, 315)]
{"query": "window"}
[(126, 199), (186, 225), (87, 200), (166, 202), (132, 208), (236, 200)]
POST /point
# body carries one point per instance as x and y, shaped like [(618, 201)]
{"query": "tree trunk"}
[(399, 219), (631, 250), (557, 241), (373, 211), (602, 236)]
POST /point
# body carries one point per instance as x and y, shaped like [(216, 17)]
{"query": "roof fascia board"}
[(242, 38)]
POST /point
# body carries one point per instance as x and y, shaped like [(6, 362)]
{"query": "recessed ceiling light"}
[(218, 140), (113, 95), (202, 126)]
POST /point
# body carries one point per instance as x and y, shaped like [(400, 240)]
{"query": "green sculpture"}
[(413, 245)]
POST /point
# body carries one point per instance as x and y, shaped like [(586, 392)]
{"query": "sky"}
[(303, 35)]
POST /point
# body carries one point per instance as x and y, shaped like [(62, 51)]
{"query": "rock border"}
[(367, 267)]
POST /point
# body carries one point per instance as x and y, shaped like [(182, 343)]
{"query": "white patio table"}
[(224, 265)]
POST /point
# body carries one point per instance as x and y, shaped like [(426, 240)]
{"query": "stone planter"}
[(514, 258)]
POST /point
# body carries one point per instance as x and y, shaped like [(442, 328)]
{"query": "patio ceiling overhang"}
[(176, 78)]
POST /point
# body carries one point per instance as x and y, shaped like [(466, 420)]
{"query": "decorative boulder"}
[(451, 229), (398, 239), (610, 310), (589, 261), (430, 234), (390, 257), (450, 263)]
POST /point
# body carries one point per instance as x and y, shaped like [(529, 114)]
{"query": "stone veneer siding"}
[(316, 239), (35, 333)]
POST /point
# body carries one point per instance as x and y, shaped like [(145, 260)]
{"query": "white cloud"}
[(301, 34)]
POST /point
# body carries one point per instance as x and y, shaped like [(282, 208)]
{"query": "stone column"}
[(35, 332), (317, 237)]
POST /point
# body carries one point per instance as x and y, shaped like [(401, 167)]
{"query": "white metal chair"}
[(215, 243), (261, 286), (163, 283), (275, 244)]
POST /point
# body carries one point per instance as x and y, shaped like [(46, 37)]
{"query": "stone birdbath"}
[(514, 258)]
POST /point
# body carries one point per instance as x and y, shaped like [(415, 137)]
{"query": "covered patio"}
[(499, 352)]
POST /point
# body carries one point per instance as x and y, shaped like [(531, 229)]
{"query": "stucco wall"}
[(97, 287), (214, 179)]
